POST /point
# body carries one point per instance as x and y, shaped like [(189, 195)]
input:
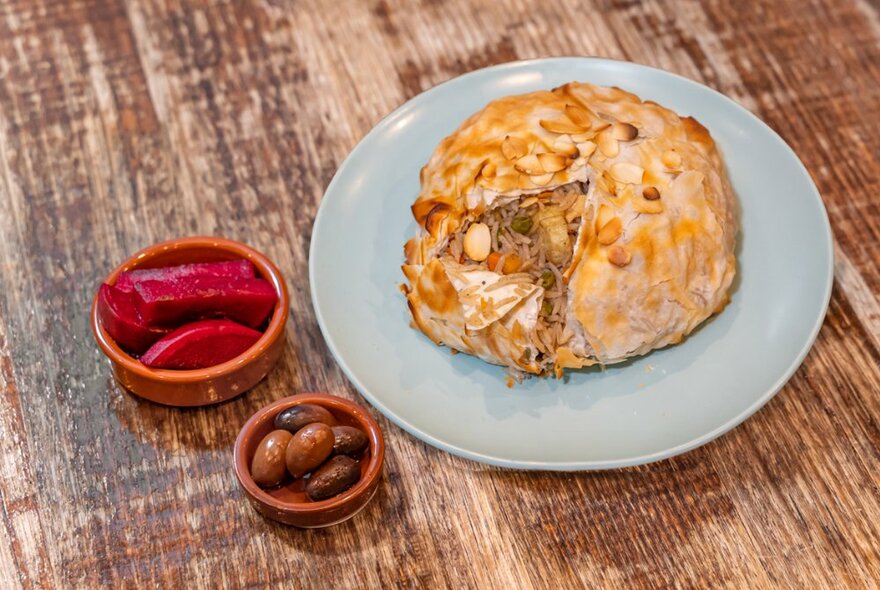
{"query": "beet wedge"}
[(119, 316), (200, 344), (175, 301), (239, 269)]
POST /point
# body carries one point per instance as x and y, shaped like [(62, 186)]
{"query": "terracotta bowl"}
[(288, 503), (202, 386)]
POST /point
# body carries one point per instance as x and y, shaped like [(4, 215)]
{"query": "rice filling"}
[(532, 241)]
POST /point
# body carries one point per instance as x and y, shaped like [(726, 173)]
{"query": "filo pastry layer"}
[(654, 256)]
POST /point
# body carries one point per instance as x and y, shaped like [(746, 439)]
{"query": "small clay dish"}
[(288, 503), (211, 385)]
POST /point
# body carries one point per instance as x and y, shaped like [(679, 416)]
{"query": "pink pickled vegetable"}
[(200, 344), (119, 316), (242, 269), (175, 301)]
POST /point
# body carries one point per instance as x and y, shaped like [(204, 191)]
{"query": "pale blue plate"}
[(666, 403)]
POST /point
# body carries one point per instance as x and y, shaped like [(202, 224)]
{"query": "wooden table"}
[(123, 123)]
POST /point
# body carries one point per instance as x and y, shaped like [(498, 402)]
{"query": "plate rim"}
[(605, 464)]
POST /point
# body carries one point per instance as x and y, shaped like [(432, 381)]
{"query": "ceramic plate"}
[(654, 407)]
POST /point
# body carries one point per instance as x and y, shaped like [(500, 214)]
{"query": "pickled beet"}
[(119, 316), (241, 269), (177, 300), (200, 344)]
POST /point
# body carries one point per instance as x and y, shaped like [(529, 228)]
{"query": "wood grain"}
[(124, 122)]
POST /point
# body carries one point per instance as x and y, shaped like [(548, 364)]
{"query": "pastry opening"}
[(531, 239)]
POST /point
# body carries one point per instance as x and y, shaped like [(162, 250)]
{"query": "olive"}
[(334, 477), (348, 440), (521, 225), (548, 279), (292, 419), (546, 307), (267, 466), (308, 448)]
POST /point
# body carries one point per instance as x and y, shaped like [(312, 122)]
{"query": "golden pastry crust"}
[(655, 255)]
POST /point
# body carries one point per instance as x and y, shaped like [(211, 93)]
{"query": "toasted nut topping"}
[(619, 256), (529, 165), (579, 115), (478, 242), (565, 146), (671, 159), (624, 131), (528, 202), (542, 179), (603, 216), (577, 209), (489, 170), (650, 207), (552, 162), (607, 144), (651, 193), (559, 126), (605, 183), (626, 172), (513, 148), (586, 148), (582, 137), (610, 232)]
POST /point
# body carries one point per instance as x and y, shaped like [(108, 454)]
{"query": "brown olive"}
[(348, 440), (267, 466), (334, 477), (308, 448), (292, 419)]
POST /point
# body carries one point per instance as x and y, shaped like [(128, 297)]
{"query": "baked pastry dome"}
[(560, 229)]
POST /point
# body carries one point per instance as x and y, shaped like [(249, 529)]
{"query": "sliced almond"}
[(561, 126), (624, 131), (513, 148), (577, 209), (671, 159), (627, 172), (579, 115), (582, 137), (626, 192), (606, 184), (564, 145), (552, 162), (529, 165), (528, 202), (477, 242), (601, 126), (577, 164), (649, 207), (610, 232), (586, 148), (489, 170), (651, 193), (603, 216), (619, 256), (542, 179), (607, 144)]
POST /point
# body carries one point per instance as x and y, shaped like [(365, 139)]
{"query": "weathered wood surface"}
[(124, 122)]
